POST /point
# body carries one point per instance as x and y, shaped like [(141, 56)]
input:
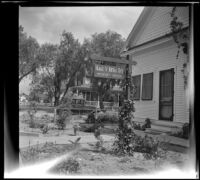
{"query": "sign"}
[(105, 71)]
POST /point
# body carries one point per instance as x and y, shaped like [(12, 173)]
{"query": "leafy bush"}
[(30, 155), (124, 133), (69, 166), (31, 112), (64, 111), (90, 118), (103, 117), (44, 129), (46, 118), (127, 142), (89, 127), (137, 126), (61, 119), (184, 132), (107, 118)]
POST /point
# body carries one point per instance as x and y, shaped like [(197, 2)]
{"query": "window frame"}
[(139, 75), (150, 98)]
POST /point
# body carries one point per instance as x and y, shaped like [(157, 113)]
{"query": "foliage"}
[(127, 142), (184, 132), (181, 38), (108, 44), (142, 127), (64, 111), (44, 129), (59, 66), (46, 118), (137, 126), (124, 133), (90, 118), (61, 120), (147, 123), (31, 112), (28, 51), (43, 80), (87, 128), (107, 118), (100, 141), (70, 165), (30, 155)]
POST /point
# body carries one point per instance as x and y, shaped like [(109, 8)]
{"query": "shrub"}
[(107, 117), (127, 142), (147, 123), (124, 133), (184, 132), (91, 118), (44, 129), (46, 118), (61, 119), (137, 126), (69, 166), (31, 112), (30, 155), (64, 111)]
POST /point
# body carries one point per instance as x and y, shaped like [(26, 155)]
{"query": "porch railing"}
[(106, 104)]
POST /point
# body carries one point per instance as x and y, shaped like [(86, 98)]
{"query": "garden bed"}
[(89, 161)]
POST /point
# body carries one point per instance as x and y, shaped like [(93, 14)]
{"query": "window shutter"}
[(136, 81), (147, 86)]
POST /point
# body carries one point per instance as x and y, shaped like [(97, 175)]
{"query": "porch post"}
[(54, 114)]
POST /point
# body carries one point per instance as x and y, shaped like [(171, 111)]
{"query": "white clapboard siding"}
[(159, 24), (156, 59)]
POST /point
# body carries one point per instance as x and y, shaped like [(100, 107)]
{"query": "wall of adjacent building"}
[(155, 58)]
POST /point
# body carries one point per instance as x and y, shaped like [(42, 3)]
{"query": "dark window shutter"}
[(136, 81), (147, 86)]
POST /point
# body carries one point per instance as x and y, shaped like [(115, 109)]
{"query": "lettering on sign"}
[(105, 71)]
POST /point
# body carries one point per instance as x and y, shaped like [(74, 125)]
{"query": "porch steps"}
[(160, 127)]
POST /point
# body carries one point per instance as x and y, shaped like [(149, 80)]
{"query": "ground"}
[(94, 162), (88, 160)]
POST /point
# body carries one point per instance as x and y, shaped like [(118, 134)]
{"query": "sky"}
[(47, 23)]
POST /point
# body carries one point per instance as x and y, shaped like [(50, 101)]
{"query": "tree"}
[(70, 61), (58, 66), (43, 80), (28, 49), (108, 44)]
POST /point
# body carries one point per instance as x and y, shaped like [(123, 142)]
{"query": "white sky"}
[(47, 23)]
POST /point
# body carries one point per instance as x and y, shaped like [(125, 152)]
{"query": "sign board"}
[(106, 71)]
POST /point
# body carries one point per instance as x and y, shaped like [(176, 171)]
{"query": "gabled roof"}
[(153, 23), (137, 25)]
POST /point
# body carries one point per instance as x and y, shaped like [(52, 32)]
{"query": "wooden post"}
[(127, 87), (55, 110)]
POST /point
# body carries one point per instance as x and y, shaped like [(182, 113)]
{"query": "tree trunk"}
[(56, 102), (101, 102)]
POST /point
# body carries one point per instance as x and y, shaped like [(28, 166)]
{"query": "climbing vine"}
[(181, 38)]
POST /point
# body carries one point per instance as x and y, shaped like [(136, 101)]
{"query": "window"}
[(137, 82), (147, 86)]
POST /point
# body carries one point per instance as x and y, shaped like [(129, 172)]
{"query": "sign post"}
[(122, 70)]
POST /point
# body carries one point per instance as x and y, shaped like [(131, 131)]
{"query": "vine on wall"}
[(181, 38)]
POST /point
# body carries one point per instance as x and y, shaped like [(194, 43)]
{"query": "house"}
[(158, 77), (83, 85)]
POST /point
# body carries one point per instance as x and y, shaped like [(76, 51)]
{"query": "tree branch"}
[(68, 84), (27, 73)]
